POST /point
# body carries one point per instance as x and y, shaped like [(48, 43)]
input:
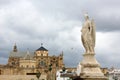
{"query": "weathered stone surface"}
[(88, 35), (21, 77), (90, 68)]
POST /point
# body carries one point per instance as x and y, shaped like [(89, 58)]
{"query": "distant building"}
[(114, 74), (66, 75), (59, 77), (26, 63)]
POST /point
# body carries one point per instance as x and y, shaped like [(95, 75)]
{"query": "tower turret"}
[(15, 48)]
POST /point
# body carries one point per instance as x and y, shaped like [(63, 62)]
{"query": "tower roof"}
[(41, 49)]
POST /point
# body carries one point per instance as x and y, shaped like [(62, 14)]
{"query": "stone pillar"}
[(90, 68)]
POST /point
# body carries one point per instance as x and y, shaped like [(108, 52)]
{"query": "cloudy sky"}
[(57, 24)]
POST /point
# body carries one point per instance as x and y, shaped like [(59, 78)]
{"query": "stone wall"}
[(95, 78), (21, 77)]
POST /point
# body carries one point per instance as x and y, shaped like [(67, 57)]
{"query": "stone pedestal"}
[(90, 68)]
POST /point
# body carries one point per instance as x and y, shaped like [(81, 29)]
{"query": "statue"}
[(90, 68), (88, 35)]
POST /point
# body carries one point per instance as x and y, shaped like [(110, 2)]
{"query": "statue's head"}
[(86, 16)]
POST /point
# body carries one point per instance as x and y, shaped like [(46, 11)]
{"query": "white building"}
[(114, 74), (60, 75)]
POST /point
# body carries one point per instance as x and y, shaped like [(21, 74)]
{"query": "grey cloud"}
[(74, 10), (5, 2)]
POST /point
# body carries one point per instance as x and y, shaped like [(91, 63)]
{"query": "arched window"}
[(42, 63), (13, 63)]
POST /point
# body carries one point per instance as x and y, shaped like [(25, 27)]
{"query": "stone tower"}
[(41, 56), (13, 59)]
